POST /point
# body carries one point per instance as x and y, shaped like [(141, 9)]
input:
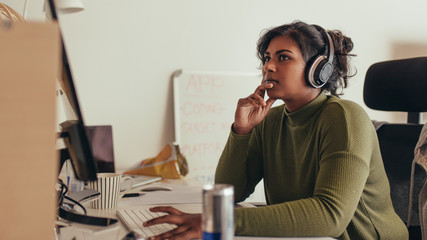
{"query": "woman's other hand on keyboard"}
[(189, 226)]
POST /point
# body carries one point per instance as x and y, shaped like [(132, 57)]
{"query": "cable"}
[(62, 196), (25, 10), (66, 211), (77, 203), (62, 192)]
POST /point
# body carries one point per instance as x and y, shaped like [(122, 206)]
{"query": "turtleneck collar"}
[(304, 114)]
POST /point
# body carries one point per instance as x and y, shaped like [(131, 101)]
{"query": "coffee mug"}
[(108, 185)]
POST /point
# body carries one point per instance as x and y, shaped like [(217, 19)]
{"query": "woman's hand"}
[(252, 110), (189, 226)]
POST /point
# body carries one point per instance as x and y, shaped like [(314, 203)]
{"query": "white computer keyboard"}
[(132, 219)]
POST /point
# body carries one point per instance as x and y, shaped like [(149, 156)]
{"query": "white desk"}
[(117, 231), (114, 232)]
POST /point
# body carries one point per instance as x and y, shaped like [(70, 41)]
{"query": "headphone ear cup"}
[(325, 73), (316, 72)]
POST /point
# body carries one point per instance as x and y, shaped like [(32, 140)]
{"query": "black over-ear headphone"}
[(319, 69)]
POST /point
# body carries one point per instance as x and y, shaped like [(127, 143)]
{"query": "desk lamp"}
[(69, 6), (63, 6)]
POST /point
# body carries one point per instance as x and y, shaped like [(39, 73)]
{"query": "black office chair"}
[(400, 85)]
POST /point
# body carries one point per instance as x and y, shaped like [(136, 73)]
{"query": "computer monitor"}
[(73, 130)]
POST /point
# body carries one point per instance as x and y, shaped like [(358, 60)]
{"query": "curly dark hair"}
[(311, 41)]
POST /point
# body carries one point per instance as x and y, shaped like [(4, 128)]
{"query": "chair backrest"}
[(400, 85)]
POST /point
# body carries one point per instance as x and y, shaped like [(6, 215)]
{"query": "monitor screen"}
[(101, 141), (73, 130)]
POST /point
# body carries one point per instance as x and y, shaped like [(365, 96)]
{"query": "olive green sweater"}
[(322, 170)]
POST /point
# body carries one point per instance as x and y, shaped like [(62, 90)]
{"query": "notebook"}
[(140, 180)]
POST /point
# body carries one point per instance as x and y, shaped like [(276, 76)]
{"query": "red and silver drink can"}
[(218, 212)]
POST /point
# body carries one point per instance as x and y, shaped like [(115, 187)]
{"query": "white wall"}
[(123, 53)]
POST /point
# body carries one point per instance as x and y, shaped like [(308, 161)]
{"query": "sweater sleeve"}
[(344, 164), (327, 213), (237, 167)]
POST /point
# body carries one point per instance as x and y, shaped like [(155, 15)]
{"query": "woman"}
[(317, 154)]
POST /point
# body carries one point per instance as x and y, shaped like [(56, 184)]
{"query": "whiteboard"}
[(204, 107)]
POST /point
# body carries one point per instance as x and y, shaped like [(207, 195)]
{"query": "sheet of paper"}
[(178, 194)]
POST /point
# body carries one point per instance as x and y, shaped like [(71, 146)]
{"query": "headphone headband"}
[(331, 49)]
